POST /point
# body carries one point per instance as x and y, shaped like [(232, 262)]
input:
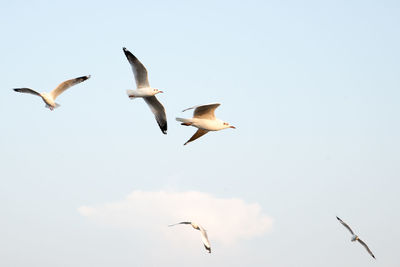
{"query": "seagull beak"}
[(233, 127), (160, 91)]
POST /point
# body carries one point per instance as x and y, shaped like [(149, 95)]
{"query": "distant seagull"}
[(205, 120), (49, 98), (355, 237), (145, 91), (203, 232)]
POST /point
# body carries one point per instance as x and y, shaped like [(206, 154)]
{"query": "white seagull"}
[(145, 91), (355, 237), (50, 98), (205, 120), (203, 232)]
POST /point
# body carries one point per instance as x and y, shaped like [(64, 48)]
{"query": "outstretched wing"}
[(27, 91), (67, 84), (366, 247), (199, 133), (345, 225), (204, 111), (179, 223), (205, 240), (159, 112), (138, 68)]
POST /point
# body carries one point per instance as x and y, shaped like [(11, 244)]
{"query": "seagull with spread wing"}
[(355, 237), (50, 98), (204, 119), (203, 233), (145, 91)]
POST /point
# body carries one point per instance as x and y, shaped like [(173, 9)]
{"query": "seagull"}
[(49, 98), (355, 237), (145, 91), (203, 232), (205, 120)]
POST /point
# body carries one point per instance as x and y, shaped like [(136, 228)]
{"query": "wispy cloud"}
[(226, 219)]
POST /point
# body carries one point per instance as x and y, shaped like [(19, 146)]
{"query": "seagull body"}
[(204, 119), (142, 92), (203, 233), (50, 98), (355, 237), (205, 124), (145, 91)]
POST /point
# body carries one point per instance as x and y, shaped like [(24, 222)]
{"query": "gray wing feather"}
[(67, 84), (345, 225), (204, 111), (190, 108), (366, 247), (138, 68), (205, 240), (159, 112), (199, 133), (179, 223), (27, 91)]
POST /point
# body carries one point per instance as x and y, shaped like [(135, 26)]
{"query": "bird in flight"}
[(50, 98), (355, 237), (203, 233), (146, 92), (204, 119)]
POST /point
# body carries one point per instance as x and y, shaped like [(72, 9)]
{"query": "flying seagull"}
[(49, 98), (355, 237), (145, 91), (203, 232), (205, 120)]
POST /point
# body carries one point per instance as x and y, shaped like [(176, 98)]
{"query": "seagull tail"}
[(186, 122), (183, 120), (50, 107), (131, 94)]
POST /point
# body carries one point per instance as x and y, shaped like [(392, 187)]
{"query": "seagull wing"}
[(179, 223), (159, 112), (204, 238), (204, 111), (138, 68), (199, 133), (345, 225), (27, 90), (366, 247), (67, 84)]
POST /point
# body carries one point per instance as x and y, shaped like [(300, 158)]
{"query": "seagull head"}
[(157, 91), (226, 125)]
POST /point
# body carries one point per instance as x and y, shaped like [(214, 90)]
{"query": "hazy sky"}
[(312, 87)]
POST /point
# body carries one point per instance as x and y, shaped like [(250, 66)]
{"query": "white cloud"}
[(227, 220)]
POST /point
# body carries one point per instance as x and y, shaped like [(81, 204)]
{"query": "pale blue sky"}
[(312, 87)]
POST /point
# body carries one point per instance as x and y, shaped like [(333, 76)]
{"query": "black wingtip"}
[(128, 54), (84, 78), (126, 51), (163, 127)]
